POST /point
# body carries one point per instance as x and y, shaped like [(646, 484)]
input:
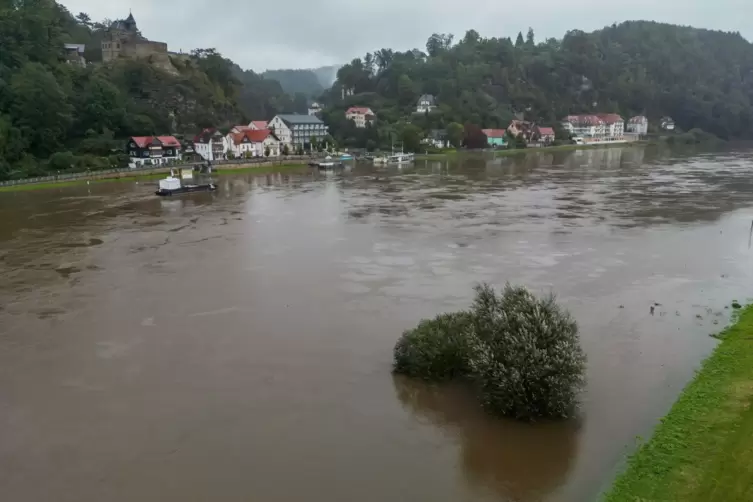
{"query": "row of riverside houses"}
[(596, 128), (257, 139)]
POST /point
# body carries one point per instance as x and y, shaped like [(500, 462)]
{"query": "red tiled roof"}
[(494, 133), (546, 131), (145, 141), (254, 136), (361, 110), (261, 124), (142, 141), (610, 118), (204, 136), (584, 119)]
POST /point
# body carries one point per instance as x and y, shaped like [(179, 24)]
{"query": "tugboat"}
[(173, 185)]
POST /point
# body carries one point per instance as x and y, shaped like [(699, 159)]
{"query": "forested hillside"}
[(294, 81), (56, 116), (701, 78)]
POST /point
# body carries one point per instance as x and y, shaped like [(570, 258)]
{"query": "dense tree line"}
[(56, 116), (701, 78)]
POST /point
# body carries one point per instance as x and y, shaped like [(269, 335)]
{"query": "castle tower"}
[(119, 33)]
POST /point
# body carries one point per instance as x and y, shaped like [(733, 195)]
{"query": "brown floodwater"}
[(237, 346)]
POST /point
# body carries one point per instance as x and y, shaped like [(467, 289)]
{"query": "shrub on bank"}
[(521, 353)]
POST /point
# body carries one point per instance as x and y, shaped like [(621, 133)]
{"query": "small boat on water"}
[(173, 185), (328, 163)]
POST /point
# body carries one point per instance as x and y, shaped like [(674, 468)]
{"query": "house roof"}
[(261, 124), (638, 119), (495, 133), (205, 136), (360, 110), (254, 136), (438, 133), (584, 119), (546, 131), (427, 97), (241, 128), (522, 125), (145, 141), (611, 118), (300, 119), (80, 48)]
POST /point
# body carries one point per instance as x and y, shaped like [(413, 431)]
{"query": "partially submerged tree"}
[(521, 353)]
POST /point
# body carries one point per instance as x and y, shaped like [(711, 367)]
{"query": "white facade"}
[(215, 149), (245, 147), (426, 104), (667, 124), (595, 127), (281, 129), (638, 125), (297, 130), (615, 129), (315, 108), (584, 129)]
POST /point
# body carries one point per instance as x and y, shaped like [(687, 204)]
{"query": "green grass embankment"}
[(160, 173), (702, 451)]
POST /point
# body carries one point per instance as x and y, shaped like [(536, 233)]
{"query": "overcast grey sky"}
[(262, 34)]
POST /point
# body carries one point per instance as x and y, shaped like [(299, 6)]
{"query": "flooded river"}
[(237, 346)]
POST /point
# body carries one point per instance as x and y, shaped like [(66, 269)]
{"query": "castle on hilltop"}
[(123, 39)]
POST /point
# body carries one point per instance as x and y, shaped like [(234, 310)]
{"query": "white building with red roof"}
[(254, 143), (585, 126), (211, 145), (544, 135), (614, 126), (153, 150), (361, 115)]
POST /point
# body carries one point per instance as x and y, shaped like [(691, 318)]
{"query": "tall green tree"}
[(411, 138), (530, 38), (40, 108), (455, 134)]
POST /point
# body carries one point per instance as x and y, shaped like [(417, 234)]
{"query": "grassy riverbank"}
[(703, 449), (266, 169)]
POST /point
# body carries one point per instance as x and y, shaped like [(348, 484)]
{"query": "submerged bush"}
[(525, 354), (522, 353), (436, 350)]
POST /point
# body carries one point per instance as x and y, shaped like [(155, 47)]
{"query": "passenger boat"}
[(401, 158), (173, 185)]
